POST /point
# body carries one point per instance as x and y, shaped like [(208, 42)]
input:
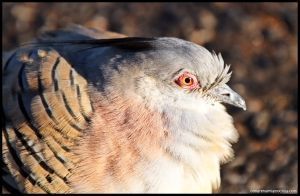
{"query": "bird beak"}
[(226, 95)]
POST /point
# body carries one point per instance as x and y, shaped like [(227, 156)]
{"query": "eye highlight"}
[(187, 81)]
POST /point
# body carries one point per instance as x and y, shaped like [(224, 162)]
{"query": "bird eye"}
[(187, 81)]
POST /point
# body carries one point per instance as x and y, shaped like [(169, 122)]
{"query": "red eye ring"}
[(187, 81)]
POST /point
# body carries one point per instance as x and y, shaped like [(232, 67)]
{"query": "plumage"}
[(89, 112)]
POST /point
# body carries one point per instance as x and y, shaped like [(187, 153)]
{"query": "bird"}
[(86, 111)]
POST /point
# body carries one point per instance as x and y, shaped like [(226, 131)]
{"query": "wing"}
[(45, 108)]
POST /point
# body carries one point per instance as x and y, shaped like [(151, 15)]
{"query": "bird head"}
[(181, 71)]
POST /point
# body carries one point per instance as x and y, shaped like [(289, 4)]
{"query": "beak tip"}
[(243, 105)]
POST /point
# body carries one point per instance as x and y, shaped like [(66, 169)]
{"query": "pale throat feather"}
[(201, 141)]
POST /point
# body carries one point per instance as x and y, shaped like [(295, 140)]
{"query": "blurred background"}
[(259, 40)]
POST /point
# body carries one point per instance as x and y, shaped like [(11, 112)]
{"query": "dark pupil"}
[(187, 80)]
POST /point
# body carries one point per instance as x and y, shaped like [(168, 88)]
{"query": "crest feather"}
[(223, 75)]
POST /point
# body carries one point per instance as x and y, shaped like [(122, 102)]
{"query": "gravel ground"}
[(259, 40)]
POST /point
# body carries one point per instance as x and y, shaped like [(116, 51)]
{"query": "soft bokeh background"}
[(259, 40)]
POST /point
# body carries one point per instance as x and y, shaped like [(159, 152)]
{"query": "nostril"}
[(227, 94)]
